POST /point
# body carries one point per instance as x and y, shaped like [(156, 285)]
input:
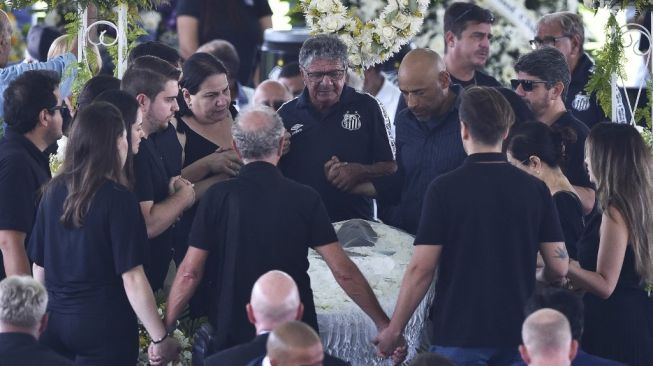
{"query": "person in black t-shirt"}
[(33, 115), (539, 150), (153, 82), (481, 227), (467, 35), (256, 222), (542, 82), (88, 247)]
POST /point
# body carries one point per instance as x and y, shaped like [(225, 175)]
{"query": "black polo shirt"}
[(24, 169), (574, 164), (23, 349), (480, 79), (490, 218), (152, 185), (251, 224), (584, 106), (425, 150), (356, 129), (84, 266)]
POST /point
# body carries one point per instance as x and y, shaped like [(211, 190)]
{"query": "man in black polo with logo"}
[(542, 82), (564, 31), (330, 122), (481, 228), (257, 222), (467, 36), (32, 107), (153, 82)]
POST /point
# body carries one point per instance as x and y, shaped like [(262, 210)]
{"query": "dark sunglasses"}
[(63, 108), (527, 85)]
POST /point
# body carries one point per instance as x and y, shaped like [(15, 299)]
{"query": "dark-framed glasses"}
[(63, 108), (526, 85), (538, 42), (334, 75)]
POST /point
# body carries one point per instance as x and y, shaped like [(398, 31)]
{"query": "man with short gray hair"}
[(257, 222), (329, 123), (23, 302), (547, 341)]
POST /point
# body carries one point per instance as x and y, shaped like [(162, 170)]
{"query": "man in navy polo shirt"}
[(33, 108), (481, 227), (542, 82), (329, 123), (565, 31)]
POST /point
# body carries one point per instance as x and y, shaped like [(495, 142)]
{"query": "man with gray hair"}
[(542, 83), (274, 301), (565, 31), (293, 343), (330, 122), (23, 302), (257, 222), (547, 341)]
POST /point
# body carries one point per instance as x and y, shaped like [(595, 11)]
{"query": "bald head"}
[(424, 83), (5, 38), (272, 94), (547, 335), (275, 299), (258, 133), (294, 343)]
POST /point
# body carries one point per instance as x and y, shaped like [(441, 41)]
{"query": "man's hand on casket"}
[(391, 343)]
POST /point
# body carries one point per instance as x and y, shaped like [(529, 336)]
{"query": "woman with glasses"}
[(88, 245), (615, 254), (539, 150)]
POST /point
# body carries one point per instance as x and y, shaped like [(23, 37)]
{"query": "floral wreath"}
[(370, 42)]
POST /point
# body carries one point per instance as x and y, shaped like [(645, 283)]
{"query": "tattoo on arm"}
[(561, 252)]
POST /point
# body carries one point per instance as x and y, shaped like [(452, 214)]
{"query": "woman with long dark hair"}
[(539, 150), (87, 247), (615, 254)]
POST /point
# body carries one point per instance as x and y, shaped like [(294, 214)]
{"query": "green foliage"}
[(100, 4), (644, 113), (608, 61)]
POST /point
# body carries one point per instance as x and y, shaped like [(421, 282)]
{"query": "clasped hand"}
[(343, 175), (391, 344), (164, 352), (225, 161)]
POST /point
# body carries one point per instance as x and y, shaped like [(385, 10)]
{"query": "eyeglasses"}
[(63, 108), (334, 75), (546, 41), (527, 85)]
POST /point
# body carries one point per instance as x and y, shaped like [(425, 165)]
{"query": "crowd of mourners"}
[(530, 206)]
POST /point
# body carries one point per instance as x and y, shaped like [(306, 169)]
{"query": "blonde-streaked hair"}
[(65, 43), (621, 165)]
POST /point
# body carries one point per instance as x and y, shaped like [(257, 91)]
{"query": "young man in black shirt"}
[(542, 82), (33, 108), (481, 227), (467, 36)]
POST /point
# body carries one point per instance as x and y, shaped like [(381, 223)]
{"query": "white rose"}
[(401, 21), (355, 59), (331, 23), (388, 35), (323, 6)]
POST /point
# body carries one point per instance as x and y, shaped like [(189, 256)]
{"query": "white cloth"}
[(266, 361), (389, 95)]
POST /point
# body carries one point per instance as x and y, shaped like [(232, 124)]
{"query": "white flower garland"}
[(370, 42)]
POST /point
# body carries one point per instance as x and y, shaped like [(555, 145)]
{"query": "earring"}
[(190, 105)]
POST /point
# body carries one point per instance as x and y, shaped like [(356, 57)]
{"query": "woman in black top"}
[(615, 255), (539, 150), (87, 247)]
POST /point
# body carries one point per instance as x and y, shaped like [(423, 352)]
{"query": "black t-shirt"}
[(23, 171), (236, 21), (490, 218), (480, 78), (167, 144), (574, 166), (355, 130), (570, 211), (251, 224), (83, 266), (152, 185), (23, 349)]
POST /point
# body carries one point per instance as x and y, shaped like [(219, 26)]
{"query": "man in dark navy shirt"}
[(428, 139), (329, 123), (33, 108), (565, 31), (543, 80), (467, 35), (481, 227), (153, 82), (254, 223), (23, 302)]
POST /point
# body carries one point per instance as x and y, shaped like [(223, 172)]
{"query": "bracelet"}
[(160, 340)]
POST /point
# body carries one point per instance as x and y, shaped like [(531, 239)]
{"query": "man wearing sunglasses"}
[(542, 82), (33, 115), (467, 36), (339, 137), (564, 31)]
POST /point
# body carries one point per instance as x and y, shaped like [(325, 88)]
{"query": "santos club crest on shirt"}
[(581, 102), (351, 121)]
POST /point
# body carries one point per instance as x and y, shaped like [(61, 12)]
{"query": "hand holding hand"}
[(224, 161), (164, 352), (390, 343), (345, 176)]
